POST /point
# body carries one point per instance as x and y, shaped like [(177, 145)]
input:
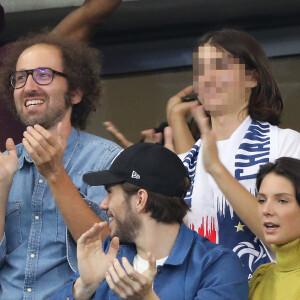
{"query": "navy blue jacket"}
[(195, 269)]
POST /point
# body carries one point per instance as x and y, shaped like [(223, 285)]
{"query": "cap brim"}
[(101, 178)]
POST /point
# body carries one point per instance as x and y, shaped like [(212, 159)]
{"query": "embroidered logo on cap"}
[(135, 175)]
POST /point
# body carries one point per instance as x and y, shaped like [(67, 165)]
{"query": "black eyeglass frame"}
[(30, 72)]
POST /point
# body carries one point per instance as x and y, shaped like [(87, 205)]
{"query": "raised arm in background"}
[(241, 200), (80, 23), (177, 111)]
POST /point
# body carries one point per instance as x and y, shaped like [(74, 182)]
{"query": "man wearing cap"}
[(151, 254)]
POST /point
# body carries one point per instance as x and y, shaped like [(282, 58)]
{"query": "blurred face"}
[(279, 210), (123, 222), (41, 104), (221, 82)]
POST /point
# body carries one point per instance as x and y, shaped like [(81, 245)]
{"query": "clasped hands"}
[(94, 266), (46, 149)]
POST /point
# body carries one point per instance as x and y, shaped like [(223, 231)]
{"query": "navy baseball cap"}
[(146, 165)]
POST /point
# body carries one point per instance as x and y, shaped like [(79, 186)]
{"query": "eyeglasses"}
[(41, 76)]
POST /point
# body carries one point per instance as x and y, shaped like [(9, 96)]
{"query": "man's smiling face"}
[(45, 105)]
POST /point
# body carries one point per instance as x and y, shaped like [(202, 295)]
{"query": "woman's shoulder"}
[(259, 276), (261, 270)]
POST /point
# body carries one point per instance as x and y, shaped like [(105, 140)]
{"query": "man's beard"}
[(51, 117), (128, 229)]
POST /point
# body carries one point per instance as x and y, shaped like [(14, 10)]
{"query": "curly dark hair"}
[(80, 63), (265, 103)]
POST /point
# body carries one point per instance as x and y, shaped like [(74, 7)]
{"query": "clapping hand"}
[(45, 149), (8, 163), (92, 261), (209, 145), (127, 283)]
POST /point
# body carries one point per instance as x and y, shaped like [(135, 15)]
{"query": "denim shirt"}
[(37, 254), (195, 269)]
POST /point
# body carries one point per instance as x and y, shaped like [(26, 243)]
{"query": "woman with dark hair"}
[(279, 210), (234, 84), (275, 215)]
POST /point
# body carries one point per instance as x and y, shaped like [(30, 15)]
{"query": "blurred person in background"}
[(276, 209), (234, 84)]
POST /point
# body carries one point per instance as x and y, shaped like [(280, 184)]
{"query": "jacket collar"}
[(178, 254), (181, 247)]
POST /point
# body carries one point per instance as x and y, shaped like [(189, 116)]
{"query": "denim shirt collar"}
[(71, 146)]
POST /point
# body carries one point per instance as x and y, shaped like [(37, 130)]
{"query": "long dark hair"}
[(265, 103)]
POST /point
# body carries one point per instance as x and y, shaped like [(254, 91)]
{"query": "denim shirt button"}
[(29, 290), (37, 217), (41, 181), (119, 251), (159, 271), (32, 255)]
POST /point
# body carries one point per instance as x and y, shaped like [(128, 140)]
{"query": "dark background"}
[(147, 45)]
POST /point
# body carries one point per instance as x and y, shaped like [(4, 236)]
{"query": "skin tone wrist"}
[(216, 168), (151, 296), (81, 291)]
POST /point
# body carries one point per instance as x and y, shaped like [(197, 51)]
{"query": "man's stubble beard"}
[(128, 229), (52, 117)]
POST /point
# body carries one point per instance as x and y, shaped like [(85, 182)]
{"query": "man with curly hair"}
[(80, 25), (54, 84)]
